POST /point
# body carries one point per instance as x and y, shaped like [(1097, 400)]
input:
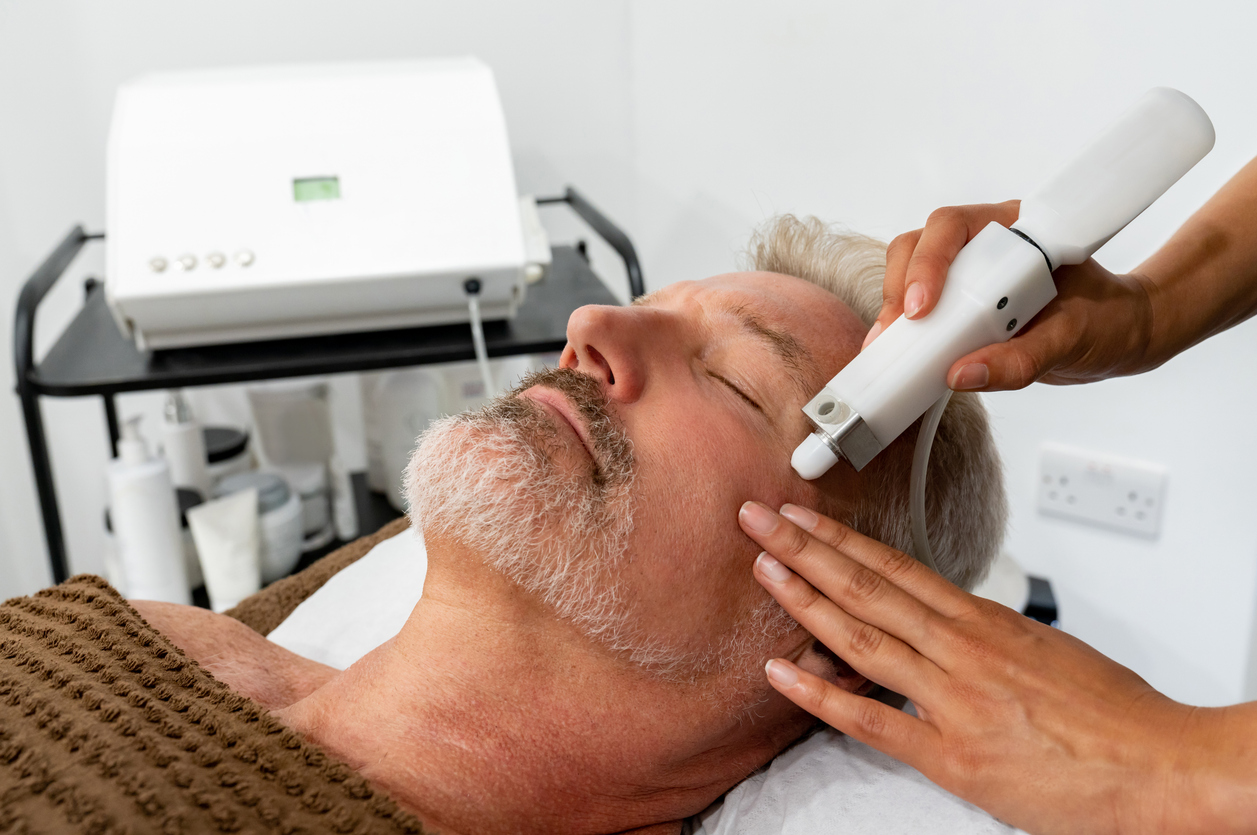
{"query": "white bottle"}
[(145, 519), (344, 511), (183, 443)]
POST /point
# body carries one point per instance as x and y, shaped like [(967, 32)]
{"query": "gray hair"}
[(966, 506)]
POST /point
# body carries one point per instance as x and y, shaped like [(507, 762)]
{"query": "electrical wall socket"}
[(1116, 493)]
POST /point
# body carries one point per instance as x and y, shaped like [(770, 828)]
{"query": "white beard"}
[(486, 480)]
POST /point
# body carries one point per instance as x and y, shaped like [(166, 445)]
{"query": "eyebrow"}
[(788, 349)]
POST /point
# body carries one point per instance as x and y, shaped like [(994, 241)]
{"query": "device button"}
[(244, 257), (158, 264), (216, 260), (186, 262)]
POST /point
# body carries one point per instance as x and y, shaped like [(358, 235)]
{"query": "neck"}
[(487, 714)]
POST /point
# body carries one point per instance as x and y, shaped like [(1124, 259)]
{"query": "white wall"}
[(873, 114), (692, 122)]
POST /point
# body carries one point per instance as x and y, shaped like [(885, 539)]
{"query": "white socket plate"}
[(1121, 494)]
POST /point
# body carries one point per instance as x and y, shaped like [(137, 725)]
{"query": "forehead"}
[(822, 327)]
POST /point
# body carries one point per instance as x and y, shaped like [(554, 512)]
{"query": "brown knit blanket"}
[(106, 726)]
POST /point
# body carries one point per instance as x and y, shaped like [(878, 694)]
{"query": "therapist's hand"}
[(1023, 720), (1098, 326)]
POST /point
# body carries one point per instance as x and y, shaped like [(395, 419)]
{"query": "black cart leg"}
[(42, 466), (111, 418), (33, 292)]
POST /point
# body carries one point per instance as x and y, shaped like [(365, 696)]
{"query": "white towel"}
[(833, 784), (361, 606)]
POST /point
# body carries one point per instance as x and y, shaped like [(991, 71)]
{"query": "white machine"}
[(263, 203), (1003, 277)]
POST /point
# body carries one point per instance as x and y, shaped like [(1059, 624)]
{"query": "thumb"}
[(1005, 367)]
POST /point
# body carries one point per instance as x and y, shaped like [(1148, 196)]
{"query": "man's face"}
[(707, 379), (703, 382)]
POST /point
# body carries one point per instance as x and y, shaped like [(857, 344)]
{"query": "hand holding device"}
[(1201, 282), (1021, 719), (1003, 277), (1099, 325)]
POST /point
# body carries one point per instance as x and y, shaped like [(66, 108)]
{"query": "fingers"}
[(891, 731), (917, 262), (997, 368), (898, 254), (1020, 361), (859, 590), (869, 650), (902, 570), (945, 234)]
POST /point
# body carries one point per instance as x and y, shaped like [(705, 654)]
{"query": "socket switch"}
[(1116, 493)]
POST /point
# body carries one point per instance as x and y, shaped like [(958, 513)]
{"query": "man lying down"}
[(588, 652)]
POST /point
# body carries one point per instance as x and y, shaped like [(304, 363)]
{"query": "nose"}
[(609, 344)]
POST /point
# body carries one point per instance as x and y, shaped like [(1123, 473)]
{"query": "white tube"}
[(477, 340), (226, 535), (916, 486)]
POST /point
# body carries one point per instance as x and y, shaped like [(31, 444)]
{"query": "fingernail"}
[(872, 334), (800, 516), (782, 673), (913, 299), (975, 375), (771, 568), (758, 518)]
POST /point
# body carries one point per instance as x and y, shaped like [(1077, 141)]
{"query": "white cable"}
[(916, 488), (477, 340)]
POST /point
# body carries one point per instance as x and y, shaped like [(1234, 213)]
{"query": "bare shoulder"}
[(236, 655)]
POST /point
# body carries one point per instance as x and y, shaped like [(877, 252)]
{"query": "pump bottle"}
[(145, 517)]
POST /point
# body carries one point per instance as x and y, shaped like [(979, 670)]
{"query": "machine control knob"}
[(186, 262), (244, 257), (216, 260), (157, 264)]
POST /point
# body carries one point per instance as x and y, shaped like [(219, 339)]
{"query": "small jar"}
[(280, 519)]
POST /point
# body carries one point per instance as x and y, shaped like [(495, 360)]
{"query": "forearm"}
[(1204, 280)]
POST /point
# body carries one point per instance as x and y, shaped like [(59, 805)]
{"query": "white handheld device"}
[(1003, 277)]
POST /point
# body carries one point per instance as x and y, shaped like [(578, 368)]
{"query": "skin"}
[(1023, 720), (462, 719)]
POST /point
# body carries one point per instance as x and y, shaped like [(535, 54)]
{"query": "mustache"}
[(614, 463)]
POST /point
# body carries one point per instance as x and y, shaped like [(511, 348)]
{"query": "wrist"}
[(1150, 330), (1215, 774)]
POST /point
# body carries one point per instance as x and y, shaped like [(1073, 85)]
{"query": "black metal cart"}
[(92, 357)]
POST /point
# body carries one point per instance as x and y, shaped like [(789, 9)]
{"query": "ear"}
[(820, 660)]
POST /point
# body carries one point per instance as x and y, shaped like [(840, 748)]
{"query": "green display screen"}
[(315, 188)]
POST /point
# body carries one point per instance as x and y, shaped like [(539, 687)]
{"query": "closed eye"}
[(736, 390)]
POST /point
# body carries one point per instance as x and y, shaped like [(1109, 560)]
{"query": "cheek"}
[(693, 476)]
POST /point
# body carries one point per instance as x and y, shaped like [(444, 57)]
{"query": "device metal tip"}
[(813, 458)]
